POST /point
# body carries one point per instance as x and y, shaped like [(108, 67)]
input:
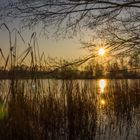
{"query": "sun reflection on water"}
[(102, 85), (102, 102)]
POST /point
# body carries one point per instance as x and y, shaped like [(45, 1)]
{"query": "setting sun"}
[(101, 51)]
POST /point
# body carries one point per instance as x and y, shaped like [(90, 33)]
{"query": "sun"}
[(101, 51)]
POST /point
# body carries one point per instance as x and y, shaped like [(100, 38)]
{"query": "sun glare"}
[(101, 51), (102, 102), (102, 85)]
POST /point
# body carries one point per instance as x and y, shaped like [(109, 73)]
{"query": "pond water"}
[(70, 109)]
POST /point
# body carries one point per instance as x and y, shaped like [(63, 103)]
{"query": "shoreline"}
[(54, 78)]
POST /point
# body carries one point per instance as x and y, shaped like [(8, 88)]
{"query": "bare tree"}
[(118, 20), (71, 14)]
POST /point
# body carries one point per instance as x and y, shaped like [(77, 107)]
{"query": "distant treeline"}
[(70, 72), (14, 65)]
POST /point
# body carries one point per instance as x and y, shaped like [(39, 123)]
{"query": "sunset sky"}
[(64, 48)]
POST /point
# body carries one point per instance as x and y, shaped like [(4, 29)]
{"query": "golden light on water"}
[(102, 84), (102, 102), (101, 51)]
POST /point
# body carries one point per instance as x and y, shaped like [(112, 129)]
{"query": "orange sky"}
[(64, 48)]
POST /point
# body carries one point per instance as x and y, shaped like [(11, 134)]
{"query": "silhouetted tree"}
[(118, 21)]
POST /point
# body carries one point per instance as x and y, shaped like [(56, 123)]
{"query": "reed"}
[(68, 110), (34, 109)]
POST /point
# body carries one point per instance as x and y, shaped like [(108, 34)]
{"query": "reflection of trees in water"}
[(71, 111), (120, 111)]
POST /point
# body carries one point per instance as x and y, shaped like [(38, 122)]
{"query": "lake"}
[(45, 109)]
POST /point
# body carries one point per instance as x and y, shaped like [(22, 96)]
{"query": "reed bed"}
[(35, 109), (65, 110)]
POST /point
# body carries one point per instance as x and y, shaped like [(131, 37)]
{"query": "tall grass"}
[(30, 56), (66, 110)]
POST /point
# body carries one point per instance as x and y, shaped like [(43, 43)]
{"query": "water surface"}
[(70, 109)]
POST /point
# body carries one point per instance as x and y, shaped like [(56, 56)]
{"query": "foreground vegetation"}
[(33, 109), (40, 110)]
